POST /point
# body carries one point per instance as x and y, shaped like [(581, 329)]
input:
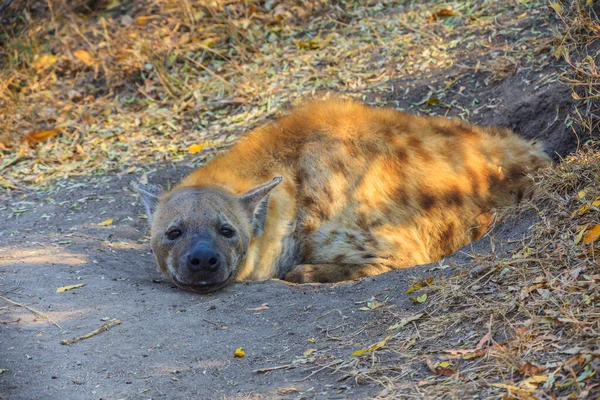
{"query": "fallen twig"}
[(320, 369), (106, 326), (265, 370), (41, 314)]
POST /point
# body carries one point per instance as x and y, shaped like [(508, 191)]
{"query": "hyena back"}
[(352, 191)]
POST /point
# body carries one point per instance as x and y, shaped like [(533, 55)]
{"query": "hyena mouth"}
[(201, 287)]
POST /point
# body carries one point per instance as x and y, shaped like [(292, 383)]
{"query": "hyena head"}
[(200, 234)]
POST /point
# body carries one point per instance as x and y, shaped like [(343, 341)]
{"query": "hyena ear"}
[(150, 195), (255, 202)]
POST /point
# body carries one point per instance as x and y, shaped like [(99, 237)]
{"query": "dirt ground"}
[(177, 345)]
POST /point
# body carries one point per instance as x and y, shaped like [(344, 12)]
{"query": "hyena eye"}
[(173, 234), (226, 231)]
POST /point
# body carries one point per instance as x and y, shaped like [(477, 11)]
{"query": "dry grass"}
[(579, 47), (115, 86)]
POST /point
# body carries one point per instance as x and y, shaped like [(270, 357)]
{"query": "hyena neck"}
[(274, 250)]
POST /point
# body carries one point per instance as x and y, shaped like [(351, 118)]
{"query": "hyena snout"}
[(203, 258)]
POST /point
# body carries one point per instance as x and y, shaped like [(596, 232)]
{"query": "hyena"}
[(334, 191)]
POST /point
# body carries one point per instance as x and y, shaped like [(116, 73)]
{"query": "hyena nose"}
[(204, 259)]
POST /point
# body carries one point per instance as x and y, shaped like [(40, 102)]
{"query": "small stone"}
[(75, 96), (126, 20)]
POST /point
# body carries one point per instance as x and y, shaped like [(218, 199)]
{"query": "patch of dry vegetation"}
[(113, 86), (579, 47)]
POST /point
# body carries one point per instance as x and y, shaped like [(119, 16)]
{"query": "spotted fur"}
[(365, 190)]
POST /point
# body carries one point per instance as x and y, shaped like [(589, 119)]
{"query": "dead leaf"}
[(444, 368), (143, 20), (420, 285), (445, 12), (259, 308), (483, 340), (468, 354), (432, 101), (195, 148), (581, 210), (309, 352), (45, 61), (533, 382), (524, 253), (419, 299), (314, 43), (379, 345), (372, 348), (405, 321), (69, 287), (579, 235), (358, 352), (514, 389), (585, 208), (41, 135), (2, 370), (372, 304), (457, 353), (106, 222), (592, 235), (474, 354), (556, 6), (84, 57), (210, 42), (239, 352), (529, 369)]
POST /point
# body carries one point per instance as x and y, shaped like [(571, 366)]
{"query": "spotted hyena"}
[(336, 190)]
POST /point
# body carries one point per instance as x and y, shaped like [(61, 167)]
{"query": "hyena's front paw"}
[(304, 273)]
